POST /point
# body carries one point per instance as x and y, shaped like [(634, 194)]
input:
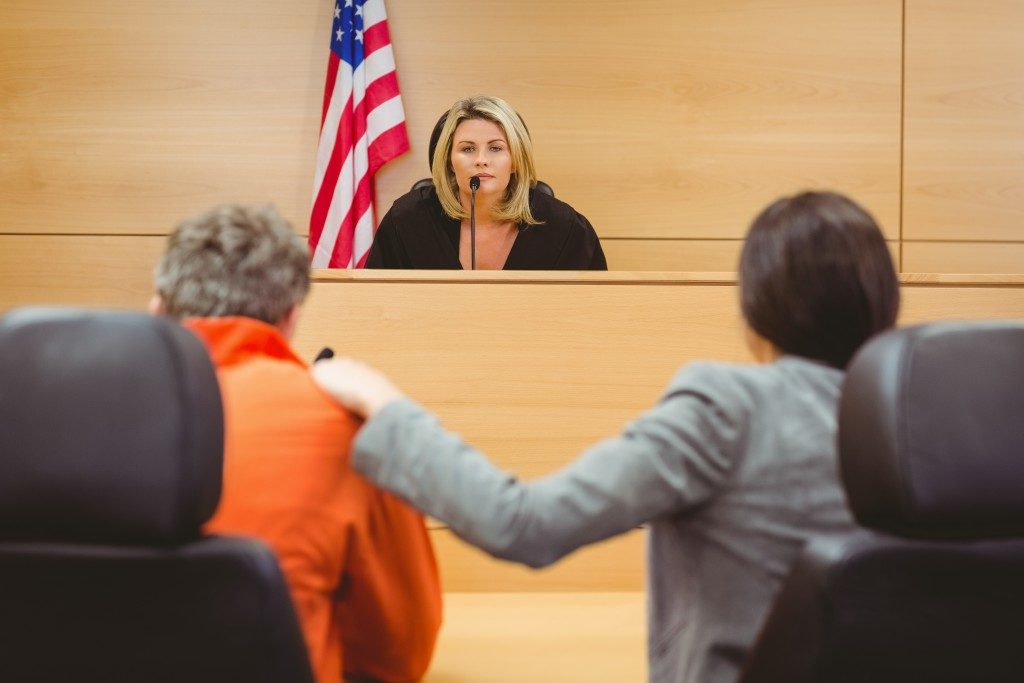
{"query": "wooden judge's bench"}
[(531, 368)]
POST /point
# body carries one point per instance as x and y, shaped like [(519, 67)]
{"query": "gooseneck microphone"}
[(474, 185)]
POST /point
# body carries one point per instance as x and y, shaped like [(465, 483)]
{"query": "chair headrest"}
[(931, 431), (111, 428)]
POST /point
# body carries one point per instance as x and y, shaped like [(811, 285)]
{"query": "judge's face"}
[(479, 148)]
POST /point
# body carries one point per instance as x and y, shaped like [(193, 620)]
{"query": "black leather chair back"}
[(931, 447), (111, 447)]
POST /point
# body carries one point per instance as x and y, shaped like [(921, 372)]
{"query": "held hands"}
[(355, 385)]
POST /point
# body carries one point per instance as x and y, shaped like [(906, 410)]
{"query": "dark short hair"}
[(234, 260), (816, 277)]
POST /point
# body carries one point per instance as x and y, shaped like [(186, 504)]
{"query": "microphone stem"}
[(472, 230)]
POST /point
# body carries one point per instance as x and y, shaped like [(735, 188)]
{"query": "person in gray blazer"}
[(732, 470)]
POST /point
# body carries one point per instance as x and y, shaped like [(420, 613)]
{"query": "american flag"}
[(361, 129)]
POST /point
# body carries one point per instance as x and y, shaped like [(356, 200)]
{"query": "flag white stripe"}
[(321, 255), (363, 237), (380, 63), (329, 131), (373, 13), (386, 116)]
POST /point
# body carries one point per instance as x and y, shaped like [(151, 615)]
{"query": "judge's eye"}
[(497, 148), (465, 149)]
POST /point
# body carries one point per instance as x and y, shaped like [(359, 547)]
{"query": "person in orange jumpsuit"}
[(358, 561)]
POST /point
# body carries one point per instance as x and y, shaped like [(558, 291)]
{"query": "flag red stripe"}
[(375, 37), (380, 91), (332, 75), (388, 145)]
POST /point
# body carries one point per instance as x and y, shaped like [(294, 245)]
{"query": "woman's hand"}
[(355, 385)]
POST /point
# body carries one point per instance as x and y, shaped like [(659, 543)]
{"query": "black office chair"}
[(435, 135), (111, 445), (931, 448)]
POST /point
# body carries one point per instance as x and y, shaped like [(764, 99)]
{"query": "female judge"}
[(732, 470), (482, 143)]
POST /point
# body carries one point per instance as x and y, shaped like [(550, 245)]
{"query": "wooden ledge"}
[(539, 277), (525, 277)]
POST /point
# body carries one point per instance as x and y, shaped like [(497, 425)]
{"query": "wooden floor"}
[(520, 636)]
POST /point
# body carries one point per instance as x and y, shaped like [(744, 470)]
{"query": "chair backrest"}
[(435, 136), (931, 448), (111, 447)]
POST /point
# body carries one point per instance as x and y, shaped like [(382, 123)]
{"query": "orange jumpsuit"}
[(358, 561)]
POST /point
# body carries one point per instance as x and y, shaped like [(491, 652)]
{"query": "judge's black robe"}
[(416, 233)]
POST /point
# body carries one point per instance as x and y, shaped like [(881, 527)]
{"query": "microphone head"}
[(474, 183), (325, 353)]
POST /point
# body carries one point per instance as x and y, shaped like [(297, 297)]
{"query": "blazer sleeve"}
[(390, 607), (673, 458)]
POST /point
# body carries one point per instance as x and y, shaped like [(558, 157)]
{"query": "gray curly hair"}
[(233, 260)]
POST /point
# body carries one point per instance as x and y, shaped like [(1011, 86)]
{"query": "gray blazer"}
[(732, 470)]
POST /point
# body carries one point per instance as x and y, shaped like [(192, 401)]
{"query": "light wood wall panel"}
[(121, 117), (666, 118), (114, 271), (696, 256), (964, 129), (927, 301), (118, 269), (964, 138), (692, 255), (672, 254), (963, 257)]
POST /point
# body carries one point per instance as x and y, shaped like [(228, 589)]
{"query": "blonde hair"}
[(516, 204)]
